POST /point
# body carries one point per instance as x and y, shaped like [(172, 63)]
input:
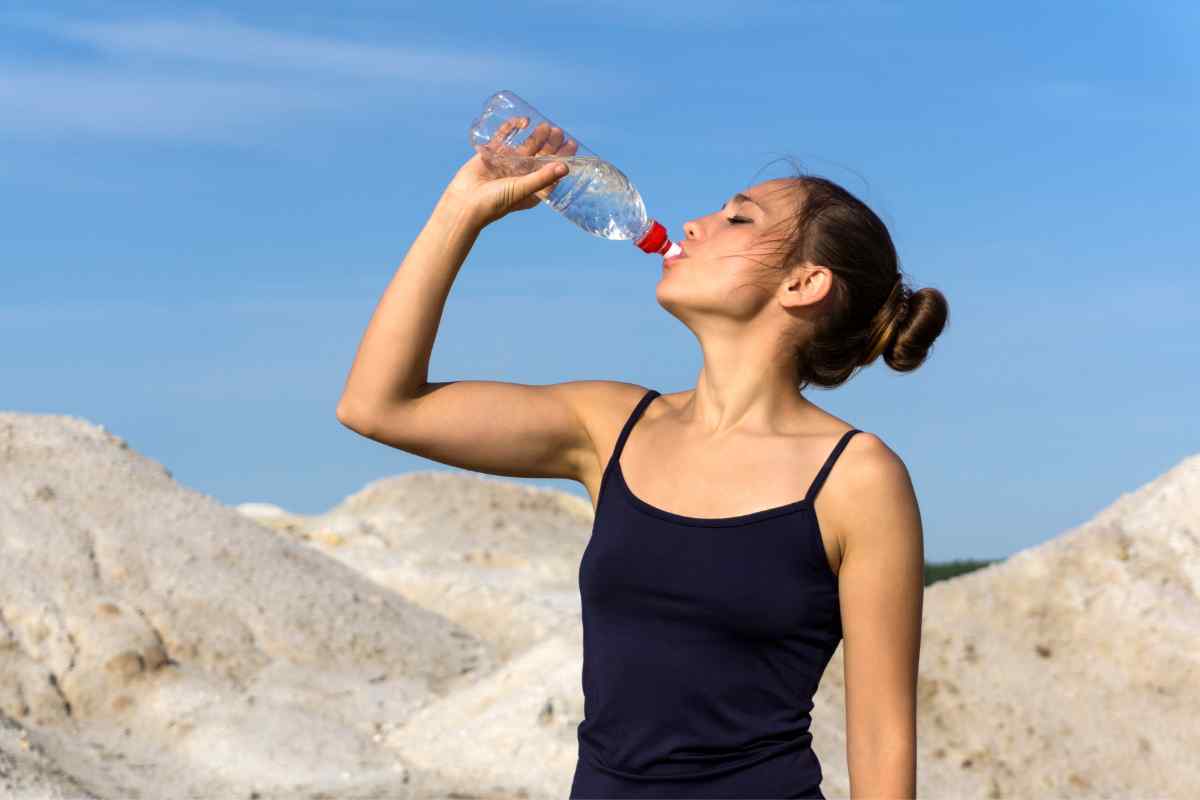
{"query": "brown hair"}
[(869, 311)]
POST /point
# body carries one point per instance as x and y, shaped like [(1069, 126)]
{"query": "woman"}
[(728, 557)]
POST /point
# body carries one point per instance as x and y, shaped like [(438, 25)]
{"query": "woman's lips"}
[(672, 259)]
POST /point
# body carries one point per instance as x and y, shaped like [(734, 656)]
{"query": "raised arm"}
[(489, 426)]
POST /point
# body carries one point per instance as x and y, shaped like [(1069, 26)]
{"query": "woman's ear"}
[(806, 284)]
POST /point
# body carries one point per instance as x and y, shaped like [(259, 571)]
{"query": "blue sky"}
[(201, 205)]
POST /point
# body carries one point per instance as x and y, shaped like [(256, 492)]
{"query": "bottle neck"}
[(655, 240)]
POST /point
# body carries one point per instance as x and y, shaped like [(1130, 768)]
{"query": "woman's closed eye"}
[(738, 220)]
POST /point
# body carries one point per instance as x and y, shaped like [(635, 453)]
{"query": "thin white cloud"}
[(1142, 104), (213, 78), (670, 15), (218, 40), (71, 100), (1065, 89)]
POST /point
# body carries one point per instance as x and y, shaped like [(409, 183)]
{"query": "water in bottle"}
[(594, 194)]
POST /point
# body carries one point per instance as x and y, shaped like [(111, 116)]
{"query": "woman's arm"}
[(392, 364), (881, 583), (487, 426)]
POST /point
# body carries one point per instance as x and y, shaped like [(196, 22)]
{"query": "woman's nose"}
[(689, 229)]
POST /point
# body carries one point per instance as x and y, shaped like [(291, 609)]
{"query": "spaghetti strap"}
[(819, 481), (633, 417)]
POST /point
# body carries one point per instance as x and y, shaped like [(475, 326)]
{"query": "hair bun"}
[(920, 318)]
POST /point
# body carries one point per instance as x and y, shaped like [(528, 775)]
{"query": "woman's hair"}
[(869, 311)]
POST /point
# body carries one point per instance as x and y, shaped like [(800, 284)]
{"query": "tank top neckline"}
[(704, 522), (712, 522)]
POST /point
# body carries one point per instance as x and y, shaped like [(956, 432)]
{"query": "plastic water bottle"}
[(594, 194)]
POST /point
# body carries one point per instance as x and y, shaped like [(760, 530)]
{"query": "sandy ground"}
[(422, 639)]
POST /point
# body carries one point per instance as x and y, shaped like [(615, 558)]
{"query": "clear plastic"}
[(594, 194)]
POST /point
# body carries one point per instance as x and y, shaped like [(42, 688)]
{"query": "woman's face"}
[(726, 252)]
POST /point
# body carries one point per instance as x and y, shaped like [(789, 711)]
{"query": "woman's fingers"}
[(537, 137), (545, 139), (499, 138), (523, 147), (554, 141)]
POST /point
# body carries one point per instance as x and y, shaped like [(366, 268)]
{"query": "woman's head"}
[(801, 266)]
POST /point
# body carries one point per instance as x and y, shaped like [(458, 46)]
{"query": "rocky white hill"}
[(421, 639)]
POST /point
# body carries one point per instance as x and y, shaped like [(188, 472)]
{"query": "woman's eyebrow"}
[(743, 198)]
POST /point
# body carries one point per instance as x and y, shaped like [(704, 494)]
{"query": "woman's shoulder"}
[(870, 479), (866, 460)]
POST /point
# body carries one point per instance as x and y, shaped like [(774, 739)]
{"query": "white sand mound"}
[(498, 558), (421, 639), (27, 772), (164, 636), (1071, 669), (514, 729)]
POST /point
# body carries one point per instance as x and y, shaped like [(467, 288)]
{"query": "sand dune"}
[(421, 639)]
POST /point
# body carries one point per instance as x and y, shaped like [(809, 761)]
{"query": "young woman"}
[(728, 557)]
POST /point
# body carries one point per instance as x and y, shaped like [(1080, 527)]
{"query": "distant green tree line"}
[(949, 569)]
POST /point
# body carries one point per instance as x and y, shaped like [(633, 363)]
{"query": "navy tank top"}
[(704, 641)]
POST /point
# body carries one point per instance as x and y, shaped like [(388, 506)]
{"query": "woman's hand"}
[(496, 180)]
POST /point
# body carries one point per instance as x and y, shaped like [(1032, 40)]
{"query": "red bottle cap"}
[(655, 240)]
